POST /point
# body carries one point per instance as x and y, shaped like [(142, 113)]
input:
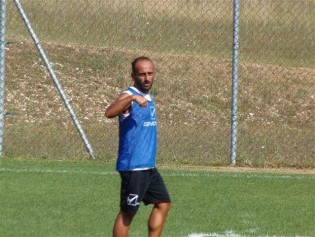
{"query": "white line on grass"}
[(168, 174), (228, 234), (262, 176), (64, 171)]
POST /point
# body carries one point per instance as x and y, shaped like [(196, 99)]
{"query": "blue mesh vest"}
[(137, 137)]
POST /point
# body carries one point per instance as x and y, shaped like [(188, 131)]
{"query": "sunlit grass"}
[(275, 32)]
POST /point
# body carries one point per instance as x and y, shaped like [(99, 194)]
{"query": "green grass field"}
[(62, 198)]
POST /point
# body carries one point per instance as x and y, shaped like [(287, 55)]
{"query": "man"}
[(140, 180)]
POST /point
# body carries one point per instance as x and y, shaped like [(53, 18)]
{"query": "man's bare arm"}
[(123, 103)]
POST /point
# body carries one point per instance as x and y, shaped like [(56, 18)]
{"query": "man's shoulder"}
[(124, 94), (134, 91)]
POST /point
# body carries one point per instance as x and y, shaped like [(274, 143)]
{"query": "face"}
[(143, 76)]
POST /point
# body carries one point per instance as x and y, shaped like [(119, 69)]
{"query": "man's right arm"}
[(122, 104)]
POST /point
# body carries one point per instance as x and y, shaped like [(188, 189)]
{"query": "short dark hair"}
[(141, 58)]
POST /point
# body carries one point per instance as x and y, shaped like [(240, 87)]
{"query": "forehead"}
[(144, 65)]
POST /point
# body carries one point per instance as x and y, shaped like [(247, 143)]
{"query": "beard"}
[(144, 87)]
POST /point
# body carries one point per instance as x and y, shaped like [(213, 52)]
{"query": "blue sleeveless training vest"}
[(137, 137)]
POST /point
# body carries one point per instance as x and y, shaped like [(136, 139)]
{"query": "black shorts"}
[(145, 186)]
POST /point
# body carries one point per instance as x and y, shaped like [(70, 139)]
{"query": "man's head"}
[(143, 72)]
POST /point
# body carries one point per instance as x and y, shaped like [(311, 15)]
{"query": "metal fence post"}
[(236, 16), (55, 79), (2, 67)]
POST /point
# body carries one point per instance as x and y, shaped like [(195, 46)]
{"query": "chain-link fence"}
[(2, 68), (91, 43)]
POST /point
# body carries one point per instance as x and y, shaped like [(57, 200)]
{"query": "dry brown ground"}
[(276, 104)]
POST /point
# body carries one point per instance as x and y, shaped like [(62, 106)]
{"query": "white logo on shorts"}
[(132, 200)]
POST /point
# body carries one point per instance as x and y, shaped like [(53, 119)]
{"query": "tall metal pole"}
[(2, 66), (55, 79), (236, 17)]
